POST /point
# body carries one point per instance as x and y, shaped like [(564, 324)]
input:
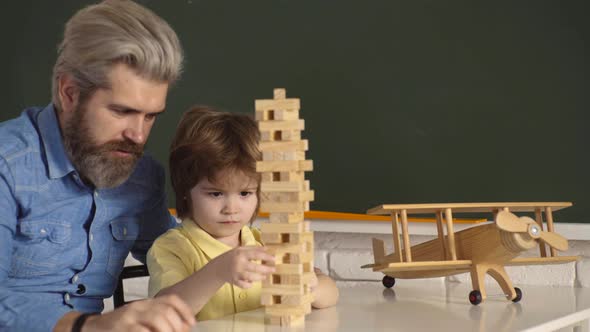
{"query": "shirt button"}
[(74, 279), (81, 289), (95, 194), (91, 237), (243, 295), (67, 298), (43, 231), (124, 231)]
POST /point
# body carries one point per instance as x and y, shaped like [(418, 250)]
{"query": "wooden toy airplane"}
[(478, 250)]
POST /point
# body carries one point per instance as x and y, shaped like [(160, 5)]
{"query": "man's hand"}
[(167, 313), (238, 266)]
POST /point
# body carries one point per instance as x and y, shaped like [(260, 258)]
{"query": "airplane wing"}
[(542, 260), (420, 266)]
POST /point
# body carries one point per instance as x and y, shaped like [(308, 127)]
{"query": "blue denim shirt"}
[(62, 243)]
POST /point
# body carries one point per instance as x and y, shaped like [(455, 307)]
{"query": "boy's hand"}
[(238, 265)]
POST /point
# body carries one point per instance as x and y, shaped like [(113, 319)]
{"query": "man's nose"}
[(135, 131)]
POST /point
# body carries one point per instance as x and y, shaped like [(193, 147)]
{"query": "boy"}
[(209, 261)]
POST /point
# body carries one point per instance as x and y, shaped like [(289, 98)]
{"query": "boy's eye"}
[(246, 193), (215, 194)]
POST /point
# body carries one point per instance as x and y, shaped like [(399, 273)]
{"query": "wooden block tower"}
[(285, 195)]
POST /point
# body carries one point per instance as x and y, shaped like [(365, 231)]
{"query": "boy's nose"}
[(230, 206)]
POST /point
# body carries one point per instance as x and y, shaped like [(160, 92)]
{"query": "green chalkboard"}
[(404, 101)]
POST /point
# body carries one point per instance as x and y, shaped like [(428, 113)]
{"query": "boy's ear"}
[(68, 93)]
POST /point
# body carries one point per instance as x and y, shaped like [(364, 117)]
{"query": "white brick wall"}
[(341, 256), (344, 253)]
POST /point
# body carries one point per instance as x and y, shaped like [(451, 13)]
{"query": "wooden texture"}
[(467, 207), (480, 250), (285, 195)]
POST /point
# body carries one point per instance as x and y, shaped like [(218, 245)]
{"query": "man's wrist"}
[(81, 320)]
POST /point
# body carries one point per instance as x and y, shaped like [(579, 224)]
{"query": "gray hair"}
[(115, 31)]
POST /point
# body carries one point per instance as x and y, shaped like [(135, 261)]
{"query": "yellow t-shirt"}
[(181, 251)]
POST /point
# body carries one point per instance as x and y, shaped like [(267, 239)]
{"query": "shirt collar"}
[(58, 162), (210, 246)]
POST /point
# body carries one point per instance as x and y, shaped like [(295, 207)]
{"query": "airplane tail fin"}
[(378, 250)]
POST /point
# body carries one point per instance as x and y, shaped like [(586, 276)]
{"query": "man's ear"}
[(68, 93)]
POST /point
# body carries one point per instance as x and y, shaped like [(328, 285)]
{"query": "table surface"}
[(429, 305)]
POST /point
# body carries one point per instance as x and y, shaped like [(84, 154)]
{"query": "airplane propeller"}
[(511, 223)]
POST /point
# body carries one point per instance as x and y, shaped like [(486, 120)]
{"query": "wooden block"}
[(290, 135), (282, 104), (295, 279), (281, 115), (278, 249), (272, 320), (267, 177), (266, 299), (297, 299), (284, 197), (279, 93), (284, 228), (301, 258), (280, 135), (286, 217), (289, 114), (266, 282), (296, 176), (303, 237), (280, 238), (264, 115), (285, 310), (307, 266), (301, 145), (279, 259), (271, 238), (284, 166), (283, 290), (282, 186), (284, 207), (283, 155), (282, 125), (291, 321), (267, 136), (285, 269)]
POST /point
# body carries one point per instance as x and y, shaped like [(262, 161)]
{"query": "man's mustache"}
[(125, 146)]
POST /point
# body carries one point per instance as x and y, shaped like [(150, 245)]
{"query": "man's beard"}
[(96, 163)]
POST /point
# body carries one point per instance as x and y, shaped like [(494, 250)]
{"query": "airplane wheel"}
[(475, 297), (388, 281), (518, 295)]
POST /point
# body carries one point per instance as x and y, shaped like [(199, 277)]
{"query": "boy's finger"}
[(250, 276), (243, 284), (260, 254), (260, 269)]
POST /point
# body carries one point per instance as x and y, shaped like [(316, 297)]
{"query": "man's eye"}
[(150, 117)]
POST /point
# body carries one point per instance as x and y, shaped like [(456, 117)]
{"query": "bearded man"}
[(76, 192)]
